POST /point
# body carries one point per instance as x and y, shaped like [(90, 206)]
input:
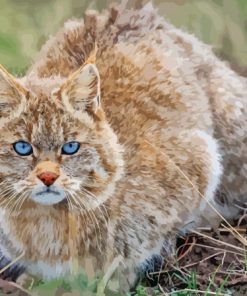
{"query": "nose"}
[(48, 178)]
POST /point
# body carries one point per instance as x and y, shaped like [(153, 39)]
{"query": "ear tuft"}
[(93, 55), (12, 94), (81, 92)]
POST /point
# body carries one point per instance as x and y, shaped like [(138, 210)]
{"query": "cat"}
[(118, 133)]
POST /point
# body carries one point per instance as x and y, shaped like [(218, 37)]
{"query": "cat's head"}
[(56, 146)]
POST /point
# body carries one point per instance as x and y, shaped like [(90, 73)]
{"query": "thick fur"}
[(154, 100)]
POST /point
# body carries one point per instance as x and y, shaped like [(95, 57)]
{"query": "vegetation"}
[(26, 24)]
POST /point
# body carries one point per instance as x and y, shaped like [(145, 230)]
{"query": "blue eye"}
[(70, 148), (23, 148)]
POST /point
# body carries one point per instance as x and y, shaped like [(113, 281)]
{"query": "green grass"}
[(26, 24), (190, 287), (80, 284)]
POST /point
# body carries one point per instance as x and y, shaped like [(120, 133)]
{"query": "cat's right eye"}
[(23, 148)]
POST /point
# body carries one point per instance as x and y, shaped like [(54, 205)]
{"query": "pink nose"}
[(48, 178)]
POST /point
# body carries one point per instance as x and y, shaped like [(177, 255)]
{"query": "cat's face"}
[(56, 146)]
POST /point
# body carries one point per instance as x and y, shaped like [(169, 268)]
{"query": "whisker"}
[(84, 212), (7, 188), (83, 215), (77, 205), (70, 205), (10, 199), (90, 214), (98, 206), (94, 221), (7, 193), (23, 200), (20, 200)]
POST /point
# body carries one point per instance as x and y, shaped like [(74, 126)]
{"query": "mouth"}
[(47, 191), (48, 195)]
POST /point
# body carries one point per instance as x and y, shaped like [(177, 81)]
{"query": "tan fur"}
[(165, 99)]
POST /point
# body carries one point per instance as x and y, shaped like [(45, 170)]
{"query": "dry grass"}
[(206, 264)]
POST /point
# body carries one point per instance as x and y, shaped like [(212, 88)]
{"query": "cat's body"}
[(171, 105)]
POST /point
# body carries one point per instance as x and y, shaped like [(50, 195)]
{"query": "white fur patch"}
[(47, 271), (214, 176), (215, 166), (47, 196)]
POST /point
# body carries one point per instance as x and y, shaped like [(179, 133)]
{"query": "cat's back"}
[(159, 81), (147, 81), (156, 80)]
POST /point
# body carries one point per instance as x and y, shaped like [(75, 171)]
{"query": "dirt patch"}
[(207, 263)]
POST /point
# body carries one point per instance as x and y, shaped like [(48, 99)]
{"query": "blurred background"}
[(26, 24)]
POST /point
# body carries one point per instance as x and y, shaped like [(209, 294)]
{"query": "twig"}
[(187, 251), (221, 229), (162, 290), (102, 284), (242, 239), (244, 216), (196, 291), (12, 262), (20, 288), (229, 273), (217, 249), (242, 280), (218, 241), (223, 259), (204, 259)]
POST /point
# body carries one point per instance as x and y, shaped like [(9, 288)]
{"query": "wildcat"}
[(94, 139)]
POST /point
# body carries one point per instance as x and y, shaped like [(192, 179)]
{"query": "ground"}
[(207, 263)]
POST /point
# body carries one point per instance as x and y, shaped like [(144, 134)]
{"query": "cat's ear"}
[(81, 91), (12, 95)]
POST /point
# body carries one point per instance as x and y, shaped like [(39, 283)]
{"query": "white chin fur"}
[(42, 196)]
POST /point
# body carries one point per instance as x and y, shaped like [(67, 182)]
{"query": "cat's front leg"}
[(128, 262)]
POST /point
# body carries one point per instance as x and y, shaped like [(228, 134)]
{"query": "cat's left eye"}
[(70, 148)]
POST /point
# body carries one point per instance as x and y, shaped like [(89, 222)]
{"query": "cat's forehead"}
[(42, 86), (51, 124), (45, 121)]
